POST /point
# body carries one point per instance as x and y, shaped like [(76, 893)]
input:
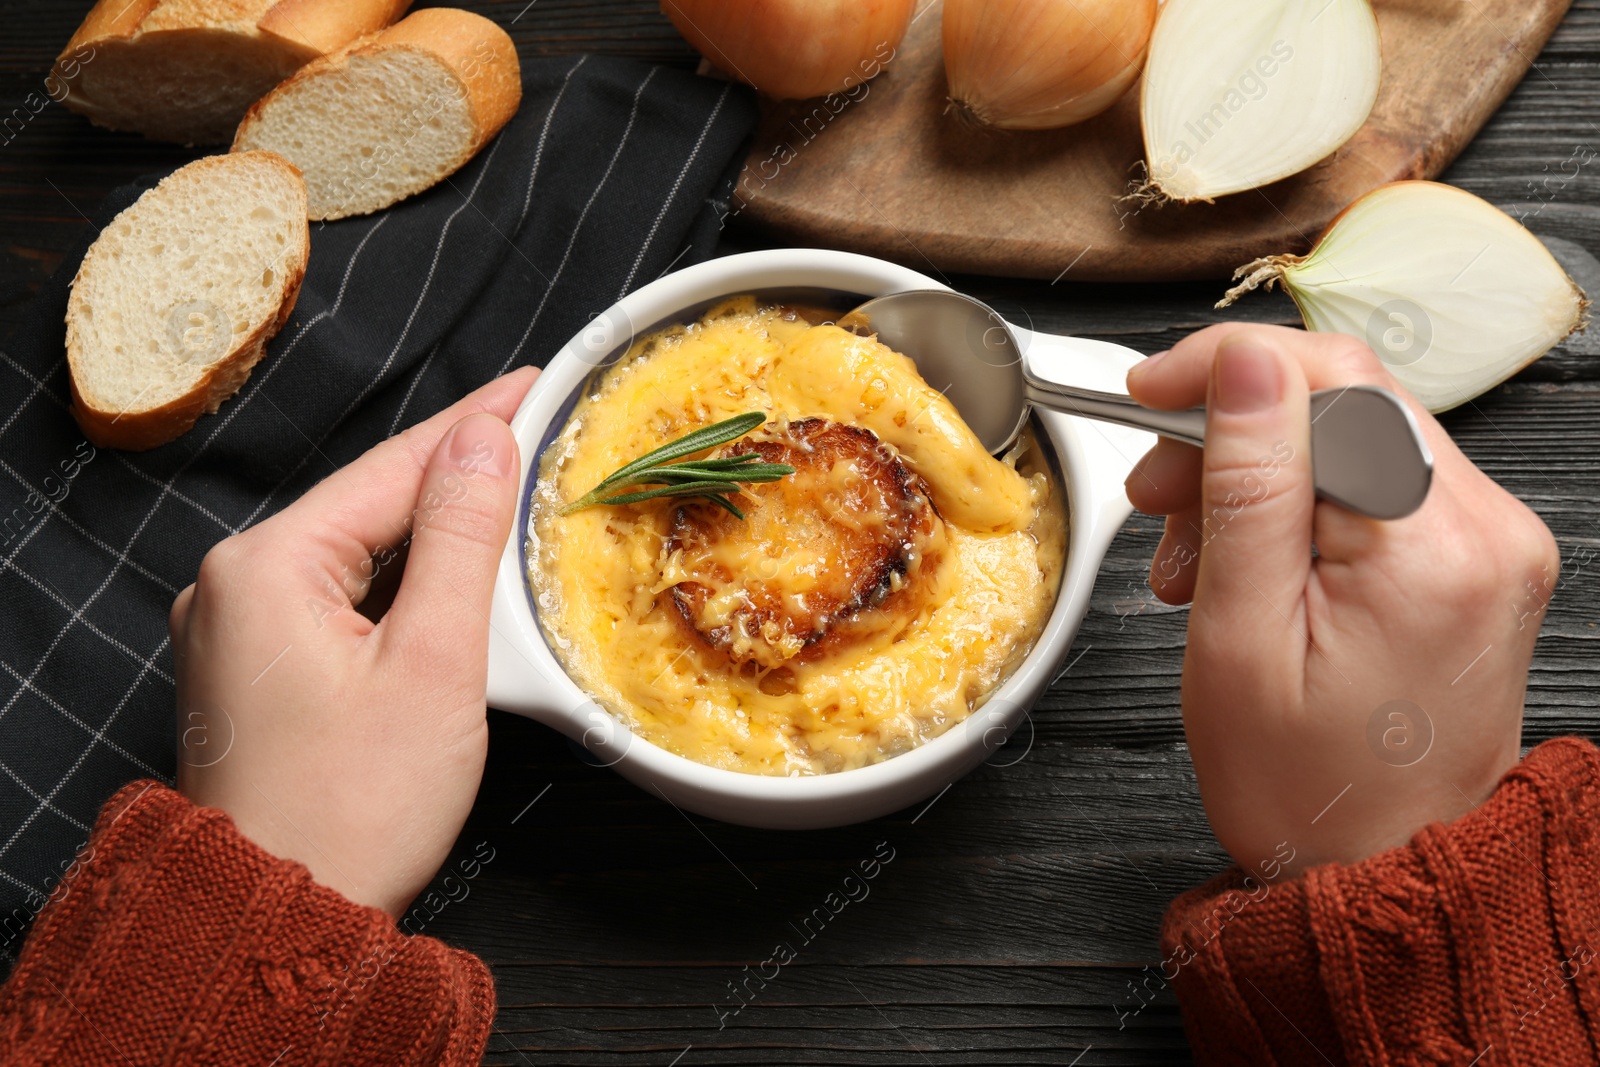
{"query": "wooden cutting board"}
[(891, 174)]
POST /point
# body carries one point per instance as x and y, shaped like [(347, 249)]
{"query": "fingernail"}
[(1249, 377), (480, 443), (1141, 368)]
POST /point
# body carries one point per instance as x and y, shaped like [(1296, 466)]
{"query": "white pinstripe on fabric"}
[(55, 508), (258, 381), (35, 794), (38, 384), (99, 736), (544, 134), (168, 485), (411, 390), (124, 461), (148, 663), (672, 194), (77, 614), (18, 882), (79, 723), (173, 492), (55, 595), (10, 561), (572, 240), (422, 297), (527, 203), (372, 383)]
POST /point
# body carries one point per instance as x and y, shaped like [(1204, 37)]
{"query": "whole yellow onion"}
[(793, 49), (1038, 64)]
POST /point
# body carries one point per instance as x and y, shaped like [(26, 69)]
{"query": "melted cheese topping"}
[(600, 575)]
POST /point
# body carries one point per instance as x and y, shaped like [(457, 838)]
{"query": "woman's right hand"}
[(1334, 702)]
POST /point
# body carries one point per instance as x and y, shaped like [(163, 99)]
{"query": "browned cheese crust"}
[(858, 526)]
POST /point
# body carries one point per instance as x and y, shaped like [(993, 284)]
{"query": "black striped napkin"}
[(611, 174)]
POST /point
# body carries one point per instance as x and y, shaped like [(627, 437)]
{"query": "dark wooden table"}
[(1021, 907)]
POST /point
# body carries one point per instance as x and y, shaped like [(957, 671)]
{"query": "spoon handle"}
[(1186, 426), (1368, 453)]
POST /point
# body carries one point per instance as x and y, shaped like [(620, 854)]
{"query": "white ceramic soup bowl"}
[(1091, 459)]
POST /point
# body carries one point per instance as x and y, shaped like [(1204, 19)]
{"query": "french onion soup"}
[(849, 578)]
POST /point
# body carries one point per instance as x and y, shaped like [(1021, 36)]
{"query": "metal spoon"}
[(1367, 450)]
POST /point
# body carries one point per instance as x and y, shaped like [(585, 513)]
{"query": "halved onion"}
[(1241, 93), (1453, 294)]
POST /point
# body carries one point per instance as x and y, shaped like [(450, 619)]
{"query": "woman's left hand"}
[(353, 746)]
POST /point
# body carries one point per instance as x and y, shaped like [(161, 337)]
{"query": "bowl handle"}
[(1110, 450), (520, 685), (523, 677), (516, 685)]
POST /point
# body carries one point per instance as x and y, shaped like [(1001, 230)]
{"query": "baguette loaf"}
[(178, 296), (186, 70), (392, 113)]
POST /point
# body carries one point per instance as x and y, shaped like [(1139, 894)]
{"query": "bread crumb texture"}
[(384, 126), (187, 70), (178, 295), (390, 114), (186, 85)]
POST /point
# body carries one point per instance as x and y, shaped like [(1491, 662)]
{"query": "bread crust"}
[(286, 33), (324, 26), (108, 20), (147, 428), (480, 55), (320, 25)]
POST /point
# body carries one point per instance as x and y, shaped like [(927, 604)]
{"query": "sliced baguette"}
[(391, 114), (178, 296), (186, 70)]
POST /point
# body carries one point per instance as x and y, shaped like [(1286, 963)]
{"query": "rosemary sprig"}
[(713, 479)]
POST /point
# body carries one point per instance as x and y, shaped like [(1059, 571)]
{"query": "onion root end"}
[(1265, 272)]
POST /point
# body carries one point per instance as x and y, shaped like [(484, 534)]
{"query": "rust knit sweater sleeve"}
[(1478, 943), (175, 940)]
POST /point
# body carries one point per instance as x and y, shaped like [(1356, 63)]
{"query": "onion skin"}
[(794, 49), (1042, 64)]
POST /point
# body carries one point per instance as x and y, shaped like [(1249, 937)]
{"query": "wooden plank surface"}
[(1018, 907), (891, 173)]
